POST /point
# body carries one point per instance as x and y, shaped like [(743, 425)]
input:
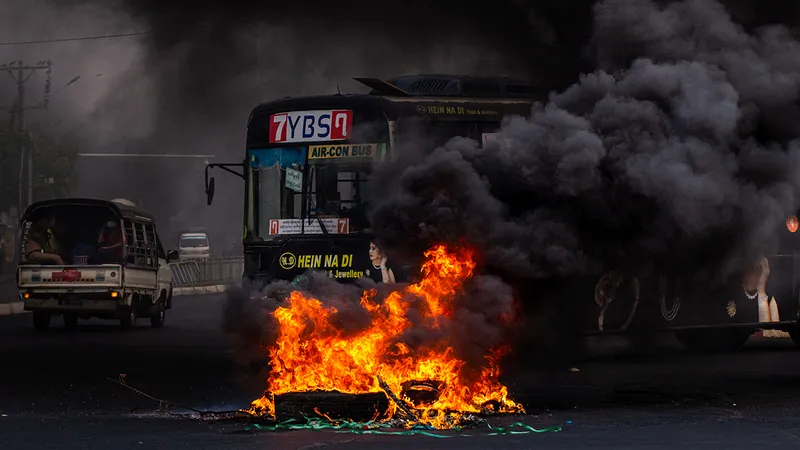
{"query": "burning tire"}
[(356, 407)]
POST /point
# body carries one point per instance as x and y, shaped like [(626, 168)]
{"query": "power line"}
[(84, 38), (143, 155)]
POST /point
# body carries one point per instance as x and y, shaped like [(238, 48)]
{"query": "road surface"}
[(55, 393)]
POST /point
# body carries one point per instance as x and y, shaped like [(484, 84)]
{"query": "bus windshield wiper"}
[(312, 172), (322, 225)]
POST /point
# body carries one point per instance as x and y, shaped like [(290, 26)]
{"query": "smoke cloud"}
[(188, 87), (679, 151)]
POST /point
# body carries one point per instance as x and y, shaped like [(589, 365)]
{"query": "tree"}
[(53, 163)]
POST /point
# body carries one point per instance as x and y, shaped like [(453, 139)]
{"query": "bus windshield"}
[(313, 187), (194, 241)]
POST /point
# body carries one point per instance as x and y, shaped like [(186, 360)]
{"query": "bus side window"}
[(434, 133), (487, 131), (443, 131)]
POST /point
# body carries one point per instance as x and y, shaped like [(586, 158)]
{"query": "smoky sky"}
[(196, 78), (211, 45)]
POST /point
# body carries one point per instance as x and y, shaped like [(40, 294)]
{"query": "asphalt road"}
[(55, 393)]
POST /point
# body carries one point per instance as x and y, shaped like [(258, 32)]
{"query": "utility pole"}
[(21, 73), (258, 58)]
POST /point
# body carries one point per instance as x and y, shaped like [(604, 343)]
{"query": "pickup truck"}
[(124, 277)]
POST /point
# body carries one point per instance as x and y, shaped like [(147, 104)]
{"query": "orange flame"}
[(310, 354), (792, 224)]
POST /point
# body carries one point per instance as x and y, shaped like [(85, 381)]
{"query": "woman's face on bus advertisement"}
[(375, 253)]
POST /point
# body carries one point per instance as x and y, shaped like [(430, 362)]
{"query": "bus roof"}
[(395, 107), (437, 108), (421, 95), (132, 213), (195, 234), (439, 97)]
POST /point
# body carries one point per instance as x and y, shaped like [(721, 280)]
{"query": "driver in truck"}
[(42, 246)]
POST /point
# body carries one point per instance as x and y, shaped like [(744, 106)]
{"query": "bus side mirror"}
[(172, 255), (210, 191)]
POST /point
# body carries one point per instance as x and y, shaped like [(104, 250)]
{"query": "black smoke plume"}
[(680, 150), (678, 155)]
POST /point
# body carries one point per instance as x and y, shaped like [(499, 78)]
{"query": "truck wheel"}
[(169, 297), (129, 321), (157, 318), (41, 321), (70, 321), (713, 341)]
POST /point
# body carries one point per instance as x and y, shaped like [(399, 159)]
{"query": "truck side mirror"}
[(210, 191), (172, 255)]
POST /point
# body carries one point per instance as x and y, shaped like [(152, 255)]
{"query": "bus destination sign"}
[(311, 126)]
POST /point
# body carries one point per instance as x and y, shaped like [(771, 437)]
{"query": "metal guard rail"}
[(207, 272)]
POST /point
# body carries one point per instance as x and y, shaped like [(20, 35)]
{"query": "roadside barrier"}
[(207, 272), (185, 273)]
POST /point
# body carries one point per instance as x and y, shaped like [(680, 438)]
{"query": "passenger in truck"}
[(42, 247), (110, 242)]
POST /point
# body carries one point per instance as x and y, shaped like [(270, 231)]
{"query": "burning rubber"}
[(317, 369)]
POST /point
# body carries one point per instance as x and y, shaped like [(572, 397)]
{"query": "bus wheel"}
[(70, 321), (157, 318), (715, 340), (41, 321)]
